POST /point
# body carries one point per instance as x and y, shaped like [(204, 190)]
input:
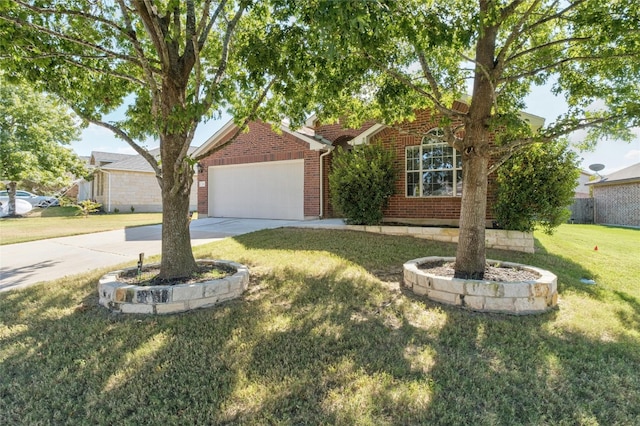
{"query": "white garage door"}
[(270, 190)]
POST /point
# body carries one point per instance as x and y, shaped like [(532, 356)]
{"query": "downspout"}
[(322, 180)]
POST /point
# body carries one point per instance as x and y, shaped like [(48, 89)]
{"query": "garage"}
[(268, 190)]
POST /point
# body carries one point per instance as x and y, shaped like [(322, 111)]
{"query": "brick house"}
[(125, 181), (617, 197), (284, 174)]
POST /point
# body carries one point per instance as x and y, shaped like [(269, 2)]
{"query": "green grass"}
[(63, 221), (326, 336)]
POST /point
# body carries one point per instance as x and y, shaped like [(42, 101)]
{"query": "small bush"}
[(535, 187), (133, 209), (116, 210), (361, 182), (66, 201), (88, 206)]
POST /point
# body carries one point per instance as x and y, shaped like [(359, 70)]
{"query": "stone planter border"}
[(494, 238), (133, 299), (516, 298)]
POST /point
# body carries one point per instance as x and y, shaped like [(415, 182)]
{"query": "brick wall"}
[(333, 132), (262, 144), (418, 210), (617, 204)]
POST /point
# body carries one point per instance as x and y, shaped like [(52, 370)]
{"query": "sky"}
[(613, 154)]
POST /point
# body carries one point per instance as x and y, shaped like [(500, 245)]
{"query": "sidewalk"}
[(24, 264)]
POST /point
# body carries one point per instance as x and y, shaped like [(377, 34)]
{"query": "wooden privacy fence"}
[(581, 210)]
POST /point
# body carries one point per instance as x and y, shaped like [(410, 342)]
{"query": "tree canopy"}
[(387, 58), (34, 131), (176, 63), (173, 64)]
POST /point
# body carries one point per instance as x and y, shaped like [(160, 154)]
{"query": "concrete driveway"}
[(24, 264)]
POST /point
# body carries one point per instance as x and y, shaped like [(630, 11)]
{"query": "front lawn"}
[(63, 221), (326, 336)]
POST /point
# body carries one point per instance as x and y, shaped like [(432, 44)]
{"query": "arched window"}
[(434, 169)]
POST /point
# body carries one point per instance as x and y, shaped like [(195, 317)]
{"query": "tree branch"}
[(545, 45), (224, 56), (74, 40), (503, 152), (145, 65), (509, 9), (426, 70), (66, 59), (123, 135), (500, 59), (407, 81), (533, 72), (149, 15), (244, 124), (70, 12), (205, 25), (191, 21), (554, 16)]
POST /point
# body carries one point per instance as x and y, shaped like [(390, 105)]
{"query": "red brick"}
[(262, 144)]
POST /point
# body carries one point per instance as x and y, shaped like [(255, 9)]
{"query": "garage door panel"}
[(271, 190)]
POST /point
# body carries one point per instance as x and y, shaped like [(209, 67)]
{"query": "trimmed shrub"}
[(361, 182), (536, 186)]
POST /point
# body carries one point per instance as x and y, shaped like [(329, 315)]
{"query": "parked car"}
[(33, 199)]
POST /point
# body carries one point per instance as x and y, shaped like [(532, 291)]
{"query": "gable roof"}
[(305, 134), (626, 175), (137, 163), (99, 157)]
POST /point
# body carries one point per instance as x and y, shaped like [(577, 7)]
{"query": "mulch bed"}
[(491, 273), (149, 276)]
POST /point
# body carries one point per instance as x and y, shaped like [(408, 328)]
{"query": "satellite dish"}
[(596, 167)]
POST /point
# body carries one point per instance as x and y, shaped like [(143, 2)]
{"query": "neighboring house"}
[(284, 174), (617, 197), (125, 181), (582, 190)]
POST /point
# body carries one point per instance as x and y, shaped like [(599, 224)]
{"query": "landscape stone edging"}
[(494, 238), (516, 298), (132, 299)]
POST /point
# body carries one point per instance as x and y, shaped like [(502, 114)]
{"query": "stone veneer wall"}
[(139, 190), (494, 238)]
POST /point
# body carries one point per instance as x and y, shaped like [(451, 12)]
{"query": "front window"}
[(433, 169)]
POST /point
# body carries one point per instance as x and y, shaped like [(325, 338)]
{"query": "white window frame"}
[(417, 167)]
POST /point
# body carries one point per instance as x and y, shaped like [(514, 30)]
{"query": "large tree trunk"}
[(177, 175), (177, 256), (470, 254)]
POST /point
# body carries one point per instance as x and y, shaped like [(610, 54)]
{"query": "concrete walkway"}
[(24, 264)]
